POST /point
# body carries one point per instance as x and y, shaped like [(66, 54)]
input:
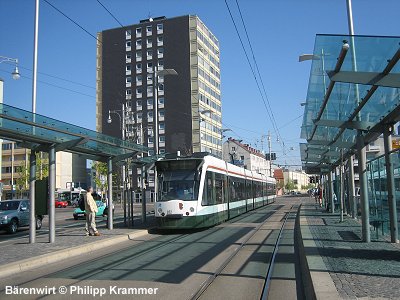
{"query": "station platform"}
[(339, 264)]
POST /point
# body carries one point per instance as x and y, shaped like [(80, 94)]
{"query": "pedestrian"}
[(91, 210)]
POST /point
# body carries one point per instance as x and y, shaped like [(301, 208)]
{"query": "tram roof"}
[(354, 87)]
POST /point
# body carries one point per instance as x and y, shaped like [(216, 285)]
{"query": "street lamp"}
[(15, 74), (164, 72)]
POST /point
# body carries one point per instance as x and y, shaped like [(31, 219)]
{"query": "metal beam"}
[(54, 129), (366, 78), (371, 91), (70, 144), (340, 60), (124, 156)]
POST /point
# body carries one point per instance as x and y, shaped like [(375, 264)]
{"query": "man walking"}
[(91, 210)]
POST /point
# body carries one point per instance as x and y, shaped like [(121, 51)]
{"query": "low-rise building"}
[(237, 153)]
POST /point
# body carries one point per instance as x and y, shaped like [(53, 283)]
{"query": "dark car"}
[(15, 213)]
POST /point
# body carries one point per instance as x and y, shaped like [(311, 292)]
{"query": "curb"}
[(319, 284), (41, 260)]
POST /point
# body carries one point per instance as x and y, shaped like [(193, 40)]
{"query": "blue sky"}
[(279, 31)]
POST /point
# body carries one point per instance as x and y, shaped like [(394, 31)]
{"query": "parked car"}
[(78, 213), (60, 203), (15, 213)]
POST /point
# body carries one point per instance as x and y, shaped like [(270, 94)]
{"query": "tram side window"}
[(219, 184), (232, 190), (248, 189), (208, 198)]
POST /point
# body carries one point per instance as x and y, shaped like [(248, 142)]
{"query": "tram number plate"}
[(169, 212)]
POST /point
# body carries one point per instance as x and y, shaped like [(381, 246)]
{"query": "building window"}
[(138, 30), (149, 54), (160, 27), (233, 149), (150, 139), (149, 90), (139, 80), (128, 92), (150, 115), (149, 66), (128, 44), (128, 68), (161, 113), (139, 92), (138, 44), (139, 117), (161, 126), (149, 30), (128, 58), (149, 43), (160, 63), (139, 103), (160, 52), (160, 41), (149, 78), (161, 101), (161, 139), (160, 87), (149, 103), (128, 33), (138, 56), (162, 151)]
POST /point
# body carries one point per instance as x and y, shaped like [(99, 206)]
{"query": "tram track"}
[(210, 280)]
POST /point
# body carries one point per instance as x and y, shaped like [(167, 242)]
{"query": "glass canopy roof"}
[(35, 131), (354, 84)]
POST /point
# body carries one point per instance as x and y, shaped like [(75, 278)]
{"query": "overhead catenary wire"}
[(110, 13), (54, 85), (76, 23), (258, 71), (251, 67)]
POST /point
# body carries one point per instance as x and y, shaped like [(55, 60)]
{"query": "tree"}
[(22, 181), (42, 168), (290, 186), (100, 176)]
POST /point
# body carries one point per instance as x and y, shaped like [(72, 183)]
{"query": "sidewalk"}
[(19, 255), (340, 264)]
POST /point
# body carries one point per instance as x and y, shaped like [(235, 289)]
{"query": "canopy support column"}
[(110, 222), (330, 184), (32, 210), (387, 138), (362, 171), (52, 194)]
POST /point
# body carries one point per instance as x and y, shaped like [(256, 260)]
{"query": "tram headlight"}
[(159, 210), (192, 209)]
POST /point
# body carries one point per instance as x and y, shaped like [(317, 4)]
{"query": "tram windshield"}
[(178, 180)]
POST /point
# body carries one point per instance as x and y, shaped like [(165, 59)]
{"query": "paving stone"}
[(358, 270)]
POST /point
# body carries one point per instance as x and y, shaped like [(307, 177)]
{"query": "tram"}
[(202, 191)]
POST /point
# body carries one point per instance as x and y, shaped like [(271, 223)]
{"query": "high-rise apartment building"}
[(189, 104)]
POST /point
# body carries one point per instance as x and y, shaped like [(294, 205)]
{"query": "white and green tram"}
[(202, 190)]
